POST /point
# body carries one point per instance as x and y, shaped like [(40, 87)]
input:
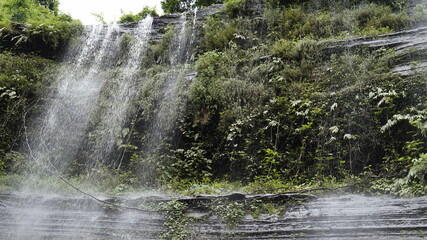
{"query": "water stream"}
[(54, 141), (119, 93), (167, 109)]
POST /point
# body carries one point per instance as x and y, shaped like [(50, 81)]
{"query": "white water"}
[(91, 90), (79, 88), (55, 141), (121, 90), (168, 107), (344, 217), (56, 138)]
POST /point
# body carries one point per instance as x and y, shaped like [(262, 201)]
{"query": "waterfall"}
[(58, 135), (167, 111), (119, 93), (93, 92), (86, 117), (90, 103), (88, 121)]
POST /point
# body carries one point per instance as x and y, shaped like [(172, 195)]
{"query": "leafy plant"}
[(176, 221), (177, 6), (129, 18), (231, 214)]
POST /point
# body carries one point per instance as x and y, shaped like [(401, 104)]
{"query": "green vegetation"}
[(176, 221), (35, 26), (177, 6), (365, 19), (277, 104), (271, 107), (52, 5), (23, 11), (22, 79), (30, 32), (128, 18)]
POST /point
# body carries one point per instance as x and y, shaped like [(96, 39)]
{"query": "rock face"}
[(410, 46), (345, 217), (161, 23)]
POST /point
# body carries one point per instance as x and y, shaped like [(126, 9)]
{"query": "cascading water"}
[(94, 72), (166, 113), (88, 112), (57, 137), (119, 92), (92, 93), (59, 134)]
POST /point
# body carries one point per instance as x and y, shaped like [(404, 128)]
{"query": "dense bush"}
[(52, 5), (219, 34), (366, 19), (269, 103), (22, 79), (234, 8), (26, 27), (22, 11), (128, 18), (29, 27), (321, 123), (279, 108), (177, 6)]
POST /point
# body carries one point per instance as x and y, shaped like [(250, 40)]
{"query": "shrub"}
[(30, 27), (52, 5), (377, 16), (217, 34), (128, 18), (418, 171), (284, 48), (297, 22), (174, 6), (22, 79), (234, 8), (160, 52), (125, 42), (419, 15), (291, 21), (22, 11), (48, 37), (203, 92)]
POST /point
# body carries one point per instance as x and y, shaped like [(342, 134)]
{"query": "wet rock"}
[(339, 217), (203, 13), (409, 45), (190, 76), (236, 197), (160, 24), (205, 200)]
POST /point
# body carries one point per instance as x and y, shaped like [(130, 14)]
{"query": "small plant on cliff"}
[(128, 18), (231, 214), (176, 221)]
